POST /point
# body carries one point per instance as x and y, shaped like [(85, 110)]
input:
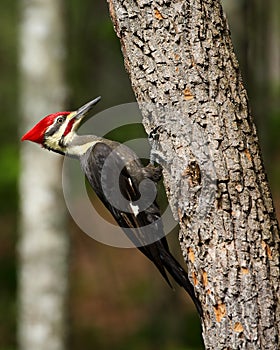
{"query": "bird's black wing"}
[(115, 174), (107, 173)]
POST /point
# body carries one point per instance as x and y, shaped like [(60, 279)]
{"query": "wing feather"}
[(102, 175)]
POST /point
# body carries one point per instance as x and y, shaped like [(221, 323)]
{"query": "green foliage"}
[(8, 177), (273, 165), (165, 333), (127, 132), (95, 61), (9, 172), (274, 130), (8, 93)]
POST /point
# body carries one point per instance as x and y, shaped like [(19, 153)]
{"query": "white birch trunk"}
[(43, 243)]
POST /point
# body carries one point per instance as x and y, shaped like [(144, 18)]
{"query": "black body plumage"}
[(102, 164)]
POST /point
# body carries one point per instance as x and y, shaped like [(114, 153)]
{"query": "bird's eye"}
[(60, 120)]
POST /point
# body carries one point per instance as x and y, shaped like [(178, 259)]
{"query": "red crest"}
[(36, 134)]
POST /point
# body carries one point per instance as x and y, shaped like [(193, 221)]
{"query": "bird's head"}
[(56, 131)]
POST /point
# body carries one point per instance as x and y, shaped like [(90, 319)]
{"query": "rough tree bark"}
[(187, 82), (43, 242)]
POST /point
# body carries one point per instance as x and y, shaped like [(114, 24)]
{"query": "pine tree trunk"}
[(187, 82), (43, 241)]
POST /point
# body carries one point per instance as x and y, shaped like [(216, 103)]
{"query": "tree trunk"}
[(187, 82), (43, 244)]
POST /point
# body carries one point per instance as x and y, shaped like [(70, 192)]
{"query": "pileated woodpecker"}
[(57, 132)]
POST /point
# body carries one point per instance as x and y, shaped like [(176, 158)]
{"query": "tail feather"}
[(152, 252), (160, 255), (180, 276)]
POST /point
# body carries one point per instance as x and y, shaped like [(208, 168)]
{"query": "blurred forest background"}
[(117, 299)]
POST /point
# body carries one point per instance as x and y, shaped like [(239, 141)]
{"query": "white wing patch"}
[(134, 208)]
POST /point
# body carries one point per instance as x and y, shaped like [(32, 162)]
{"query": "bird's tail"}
[(158, 252), (180, 276)]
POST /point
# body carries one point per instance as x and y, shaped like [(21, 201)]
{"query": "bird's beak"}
[(83, 111)]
